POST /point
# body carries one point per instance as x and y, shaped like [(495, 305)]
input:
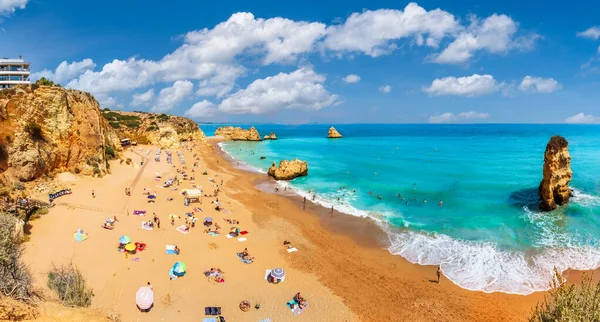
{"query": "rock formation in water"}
[(288, 170), (238, 134), (163, 130), (271, 136), (333, 133), (44, 129), (554, 189)]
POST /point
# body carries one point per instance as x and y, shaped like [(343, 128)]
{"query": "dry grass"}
[(70, 286), (569, 302)]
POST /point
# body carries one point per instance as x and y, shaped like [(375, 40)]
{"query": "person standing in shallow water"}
[(439, 274)]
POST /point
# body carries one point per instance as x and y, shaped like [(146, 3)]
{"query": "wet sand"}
[(340, 268)]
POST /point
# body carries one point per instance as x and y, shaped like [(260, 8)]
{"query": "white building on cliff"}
[(13, 72)]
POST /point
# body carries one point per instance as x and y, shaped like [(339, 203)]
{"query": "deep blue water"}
[(488, 235)]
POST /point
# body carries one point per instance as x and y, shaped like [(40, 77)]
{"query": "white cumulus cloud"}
[(171, 96), (143, 98), (539, 85), (461, 117), (385, 88), (8, 7), (582, 118), (495, 34), (373, 32), (202, 109), (301, 89), (468, 86), (65, 71), (592, 33), (352, 78)]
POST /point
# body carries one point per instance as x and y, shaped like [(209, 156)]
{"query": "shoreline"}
[(355, 238)]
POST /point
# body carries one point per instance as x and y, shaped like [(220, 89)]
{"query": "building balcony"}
[(22, 72), (14, 82)]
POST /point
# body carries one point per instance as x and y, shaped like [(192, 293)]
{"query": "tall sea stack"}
[(554, 189)]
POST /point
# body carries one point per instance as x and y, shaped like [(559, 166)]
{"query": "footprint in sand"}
[(213, 246)]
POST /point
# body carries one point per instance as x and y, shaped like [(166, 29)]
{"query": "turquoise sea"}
[(488, 235)]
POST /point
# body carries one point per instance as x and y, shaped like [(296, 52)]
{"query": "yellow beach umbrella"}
[(130, 247), (173, 216)]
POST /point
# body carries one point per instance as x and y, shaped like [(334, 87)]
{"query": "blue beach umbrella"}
[(208, 219), (124, 240), (80, 236), (179, 269), (151, 196)]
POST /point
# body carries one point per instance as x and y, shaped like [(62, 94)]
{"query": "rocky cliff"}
[(288, 170), (333, 133), (165, 131), (45, 129), (554, 189), (238, 134), (271, 136)]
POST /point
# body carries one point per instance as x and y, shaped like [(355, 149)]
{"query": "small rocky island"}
[(288, 170), (271, 136), (238, 134), (333, 133), (554, 189)]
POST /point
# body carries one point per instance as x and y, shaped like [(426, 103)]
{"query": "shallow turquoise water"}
[(488, 235)]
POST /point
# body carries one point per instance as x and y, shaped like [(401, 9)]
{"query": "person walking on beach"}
[(439, 274), (331, 209), (93, 194), (158, 223)]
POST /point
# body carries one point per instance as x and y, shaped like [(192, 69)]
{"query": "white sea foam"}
[(585, 199), (476, 265), (238, 163)]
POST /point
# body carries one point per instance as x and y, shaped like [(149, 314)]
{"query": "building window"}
[(16, 78), (3, 78)]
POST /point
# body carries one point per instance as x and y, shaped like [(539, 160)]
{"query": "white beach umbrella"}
[(144, 298)]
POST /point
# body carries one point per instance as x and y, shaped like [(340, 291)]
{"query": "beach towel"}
[(226, 211), (243, 232), (245, 261), (170, 250), (146, 226), (181, 229), (197, 209), (209, 320), (139, 212), (136, 259), (242, 239), (172, 274), (212, 233), (291, 250), (265, 320), (229, 236), (296, 310)]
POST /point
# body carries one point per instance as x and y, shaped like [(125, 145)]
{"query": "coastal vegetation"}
[(46, 82), (70, 285), (34, 130), (15, 280), (569, 302)]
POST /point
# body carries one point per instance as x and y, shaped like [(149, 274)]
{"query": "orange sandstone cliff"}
[(554, 189)]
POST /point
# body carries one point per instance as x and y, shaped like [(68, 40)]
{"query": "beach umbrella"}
[(80, 236), (278, 273), (124, 240), (179, 269), (235, 230), (173, 216), (208, 219), (151, 196), (144, 298), (130, 247)]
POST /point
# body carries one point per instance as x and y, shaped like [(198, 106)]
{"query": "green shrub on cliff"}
[(34, 130), (46, 82), (109, 151), (569, 302), (115, 125), (15, 281)]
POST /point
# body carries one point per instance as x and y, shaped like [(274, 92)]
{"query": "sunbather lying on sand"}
[(301, 301), (231, 221)]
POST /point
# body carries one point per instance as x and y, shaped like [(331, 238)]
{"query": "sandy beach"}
[(340, 267)]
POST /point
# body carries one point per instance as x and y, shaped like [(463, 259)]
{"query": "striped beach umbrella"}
[(235, 230), (124, 240), (179, 269), (144, 298), (278, 273)]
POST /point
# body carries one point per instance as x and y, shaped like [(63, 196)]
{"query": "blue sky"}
[(319, 61)]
